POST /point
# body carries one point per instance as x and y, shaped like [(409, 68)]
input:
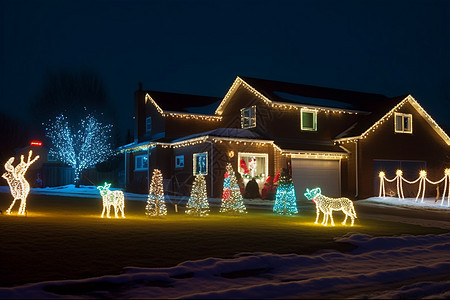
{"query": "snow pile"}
[(411, 202), (403, 266)]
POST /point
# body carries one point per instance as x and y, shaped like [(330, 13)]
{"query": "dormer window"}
[(248, 117), (148, 124), (308, 119), (403, 123)]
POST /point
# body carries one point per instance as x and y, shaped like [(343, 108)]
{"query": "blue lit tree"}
[(81, 145), (285, 199), (232, 202)]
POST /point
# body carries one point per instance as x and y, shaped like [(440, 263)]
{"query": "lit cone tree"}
[(285, 199), (232, 201), (155, 201), (198, 201)]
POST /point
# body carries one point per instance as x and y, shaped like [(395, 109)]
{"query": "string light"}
[(18, 185), (232, 201), (327, 205), (82, 148), (112, 198), (155, 201), (239, 82), (198, 201), (180, 114), (285, 199), (422, 179), (416, 105)]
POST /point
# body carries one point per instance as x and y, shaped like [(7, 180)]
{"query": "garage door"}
[(309, 173)]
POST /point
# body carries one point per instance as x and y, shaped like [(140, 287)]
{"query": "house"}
[(334, 139)]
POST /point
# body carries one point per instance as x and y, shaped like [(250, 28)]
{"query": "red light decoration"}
[(36, 143)]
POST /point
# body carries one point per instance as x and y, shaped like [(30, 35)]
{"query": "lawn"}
[(65, 238)]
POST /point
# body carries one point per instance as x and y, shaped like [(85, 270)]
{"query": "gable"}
[(181, 109), (358, 131), (270, 99)]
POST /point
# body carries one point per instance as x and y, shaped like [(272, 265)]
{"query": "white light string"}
[(422, 179)]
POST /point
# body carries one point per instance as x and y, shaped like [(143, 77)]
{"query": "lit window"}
[(200, 163), (308, 119), (248, 117), (253, 165), (179, 161), (141, 163), (403, 123), (148, 124)]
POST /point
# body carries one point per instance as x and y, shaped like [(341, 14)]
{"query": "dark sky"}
[(199, 47)]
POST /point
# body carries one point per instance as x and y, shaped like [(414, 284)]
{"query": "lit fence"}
[(422, 179)]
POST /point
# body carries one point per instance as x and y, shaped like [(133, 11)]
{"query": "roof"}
[(225, 132), (309, 145), (366, 121), (188, 103), (294, 93)]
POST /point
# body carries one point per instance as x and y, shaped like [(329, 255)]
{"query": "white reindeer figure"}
[(18, 185), (327, 205), (112, 198)]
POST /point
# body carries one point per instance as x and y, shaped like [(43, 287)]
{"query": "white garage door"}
[(312, 173)]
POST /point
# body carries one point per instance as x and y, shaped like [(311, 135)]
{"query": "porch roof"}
[(225, 132), (309, 146)]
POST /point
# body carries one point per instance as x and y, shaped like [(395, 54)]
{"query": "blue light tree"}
[(285, 199), (81, 146)]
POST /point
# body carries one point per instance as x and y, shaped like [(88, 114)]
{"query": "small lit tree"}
[(198, 201), (80, 146), (155, 201), (285, 199), (232, 201)]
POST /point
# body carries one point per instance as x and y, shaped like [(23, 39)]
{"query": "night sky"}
[(199, 47)]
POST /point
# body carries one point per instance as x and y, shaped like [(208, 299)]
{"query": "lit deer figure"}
[(326, 205), (112, 198), (18, 185)]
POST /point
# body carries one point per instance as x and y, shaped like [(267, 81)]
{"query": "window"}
[(248, 117), (403, 123), (200, 163), (148, 124), (141, 163), (308, 119), (179, 161), (253, 165)]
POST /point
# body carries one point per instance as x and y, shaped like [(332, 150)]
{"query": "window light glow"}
[(422, 179), (112, 198), (18, 185), (327, 205)]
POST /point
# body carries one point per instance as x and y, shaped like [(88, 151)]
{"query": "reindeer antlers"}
[(21, 167), (8, 165)]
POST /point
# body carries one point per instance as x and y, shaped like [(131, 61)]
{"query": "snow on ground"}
[(85, 191), (427, 203), (404, 266)]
